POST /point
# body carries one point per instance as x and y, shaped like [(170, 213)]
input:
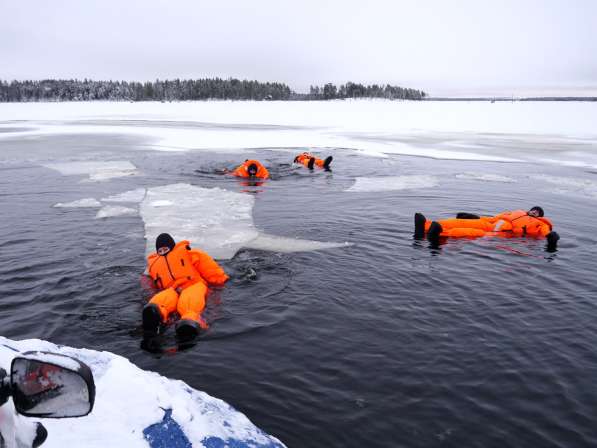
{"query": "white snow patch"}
[(136, 196), (57, 360), (485, 177), (81, 203), (217, 221), (393, 183), (127, 401), (97, 171), (111, 211)]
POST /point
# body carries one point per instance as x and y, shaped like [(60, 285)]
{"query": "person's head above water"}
[(536, 212), (164, 243), (252, 169)]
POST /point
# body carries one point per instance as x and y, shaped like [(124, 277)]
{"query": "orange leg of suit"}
[(189, 304), (463, 227)]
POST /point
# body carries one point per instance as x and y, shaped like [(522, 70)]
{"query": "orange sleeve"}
[(150, 260), (240, 171), (263, 172), (546, 221), (208, 268)]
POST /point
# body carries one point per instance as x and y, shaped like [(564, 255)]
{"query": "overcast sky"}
[(441, 46)]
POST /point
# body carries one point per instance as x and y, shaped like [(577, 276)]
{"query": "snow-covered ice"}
[(129, 400), (551, 132)]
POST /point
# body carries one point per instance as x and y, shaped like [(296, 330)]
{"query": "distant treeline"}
[(352, 90), (188, 89)]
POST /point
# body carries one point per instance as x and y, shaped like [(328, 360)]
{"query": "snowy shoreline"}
[(546, 132)]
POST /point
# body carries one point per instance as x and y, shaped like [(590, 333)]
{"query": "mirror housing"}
[(51, 385)]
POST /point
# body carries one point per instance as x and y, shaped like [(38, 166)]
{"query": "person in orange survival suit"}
[(182, 274), (513, 223), (251, 168), (309, 160)]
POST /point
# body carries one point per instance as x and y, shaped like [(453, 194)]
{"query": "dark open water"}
[(387, 343)]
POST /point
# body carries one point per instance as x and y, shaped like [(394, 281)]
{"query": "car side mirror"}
[(51, 385)]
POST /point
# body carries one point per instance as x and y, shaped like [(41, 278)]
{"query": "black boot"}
[(434, 231), (465, 215), (311, 163), (326, 162), (151, 318), (41, 434), (419, 225), (187, 329), (552, 241)]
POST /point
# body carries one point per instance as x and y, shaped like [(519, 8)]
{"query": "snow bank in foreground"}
[(218, 221), (393, 183), (131, 403), (97, 171), (81, 203)]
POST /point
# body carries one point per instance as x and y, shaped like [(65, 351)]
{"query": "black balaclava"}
[(164, 240), (539, 209), (252, 169)]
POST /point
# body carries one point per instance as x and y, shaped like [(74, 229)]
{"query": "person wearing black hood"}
[(183, 275)]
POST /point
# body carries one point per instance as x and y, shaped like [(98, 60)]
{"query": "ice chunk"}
[(110, 211), (486, 177), (97, 171), (136, 195), (392, 183), (218, 221), (81, 203)]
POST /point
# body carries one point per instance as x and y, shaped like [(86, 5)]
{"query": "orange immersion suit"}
[(242, 170), (305, 157), (188, 271), (506, 224)]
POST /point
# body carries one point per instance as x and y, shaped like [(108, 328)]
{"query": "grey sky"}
[(439, 45)]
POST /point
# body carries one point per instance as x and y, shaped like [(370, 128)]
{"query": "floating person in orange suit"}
[(251, 169), (515, 223), (309, 160), (183, 275)]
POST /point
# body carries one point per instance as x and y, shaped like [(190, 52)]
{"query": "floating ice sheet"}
[(129, 400), (81, 203), (97, 171), (111, 211), (136, 196), (485, 177), (218, 221), (393, 183)]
